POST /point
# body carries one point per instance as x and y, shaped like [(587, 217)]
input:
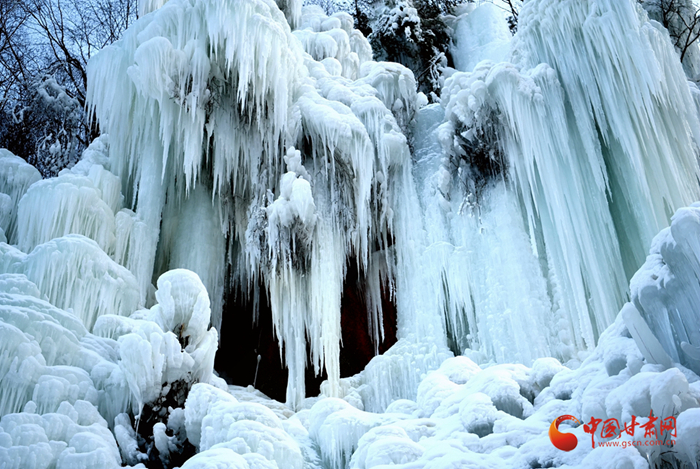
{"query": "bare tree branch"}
[(47, 44)]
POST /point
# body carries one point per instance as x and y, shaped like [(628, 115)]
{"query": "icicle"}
[(73, 272), (221, 95), (64, 205), (16, 175), (596, 160), (632, 109), (147, 6)]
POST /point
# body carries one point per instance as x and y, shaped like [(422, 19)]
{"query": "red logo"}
[(563, 441)]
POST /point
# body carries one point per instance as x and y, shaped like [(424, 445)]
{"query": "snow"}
[(687, 427), (75, 436), (464, 416), (665, 291)]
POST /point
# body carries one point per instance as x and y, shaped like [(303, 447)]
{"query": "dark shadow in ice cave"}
[(242, 341)]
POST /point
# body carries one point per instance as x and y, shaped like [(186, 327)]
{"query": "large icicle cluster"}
[(286, 163), (595, 134), (15, 178)]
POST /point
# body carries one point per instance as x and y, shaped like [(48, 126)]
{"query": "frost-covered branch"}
[(682, 20), (45, 45)]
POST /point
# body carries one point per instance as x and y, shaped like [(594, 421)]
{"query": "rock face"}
[(246, 339)]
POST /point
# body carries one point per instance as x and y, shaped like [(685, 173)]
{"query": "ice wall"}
[(478, 263), (628, 93), (529, 203), (240, 148), (595, 135), (480, 34)]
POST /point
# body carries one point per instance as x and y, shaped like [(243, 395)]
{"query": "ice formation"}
[(665, 289), (464, 415), (16, 175), (254, 146), (285, 175), (71, 385), (596, 151), (480, 34)]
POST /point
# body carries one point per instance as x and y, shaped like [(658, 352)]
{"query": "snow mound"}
[(499, 416), (63, 387), (665, 289)]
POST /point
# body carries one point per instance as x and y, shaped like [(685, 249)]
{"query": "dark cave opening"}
[(242, 340)]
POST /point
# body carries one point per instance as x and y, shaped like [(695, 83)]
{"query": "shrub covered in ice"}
[(169, 346), (51, 364), (216, 421)]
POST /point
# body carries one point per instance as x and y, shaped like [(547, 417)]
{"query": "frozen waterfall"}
[(254, 148)]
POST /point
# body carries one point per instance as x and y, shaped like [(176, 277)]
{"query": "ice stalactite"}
[(16, 175), (292, 10), (288, 164), (73, 272), (175, 86), (195, 218), (597, 146), (70, 205), (478, 262), (631, 105), (147, 6)]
